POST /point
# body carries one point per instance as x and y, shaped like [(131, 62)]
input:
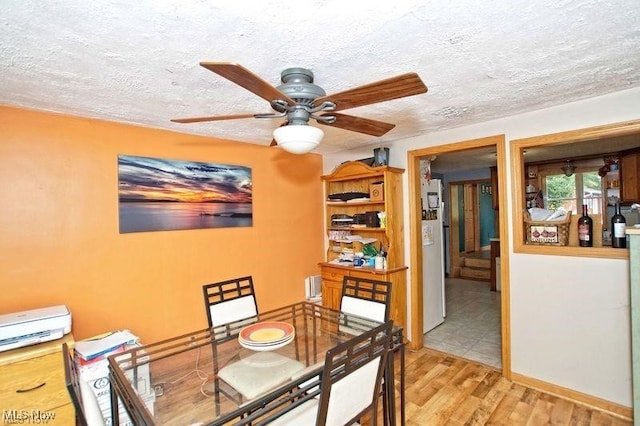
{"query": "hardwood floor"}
[(442, 389)]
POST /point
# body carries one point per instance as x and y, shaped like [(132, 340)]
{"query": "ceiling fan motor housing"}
[(298, 85)]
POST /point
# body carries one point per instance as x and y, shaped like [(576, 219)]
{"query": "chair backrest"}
[(72, 382), (366, 298), (352, 376), (230, 300)]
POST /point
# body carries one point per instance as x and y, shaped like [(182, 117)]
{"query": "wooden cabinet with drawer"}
[(332, 277), (32, 388), (332, 286)]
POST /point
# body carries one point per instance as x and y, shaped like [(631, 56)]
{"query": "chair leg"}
[(382, 392), (402, 385), (388, 394)]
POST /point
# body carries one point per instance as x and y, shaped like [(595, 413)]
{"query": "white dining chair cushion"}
[(260, 372), (304, 414), (317, 366), (363, 308), (352, 394), (233, 310)]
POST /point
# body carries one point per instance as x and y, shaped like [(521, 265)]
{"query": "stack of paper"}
[(93, 348)]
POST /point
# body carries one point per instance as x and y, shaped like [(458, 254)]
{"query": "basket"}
[(547, 233)]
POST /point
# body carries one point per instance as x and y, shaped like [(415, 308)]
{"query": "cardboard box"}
[(96, 376), (376, 191)]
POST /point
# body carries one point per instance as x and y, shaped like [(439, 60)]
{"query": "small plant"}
[(369, 250)]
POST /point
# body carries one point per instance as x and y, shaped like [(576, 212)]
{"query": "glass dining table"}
[(177, 382)]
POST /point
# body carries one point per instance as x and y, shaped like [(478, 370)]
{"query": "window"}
[(548, 153), (571, 192)]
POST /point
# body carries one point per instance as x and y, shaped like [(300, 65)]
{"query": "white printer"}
[(34, 326)]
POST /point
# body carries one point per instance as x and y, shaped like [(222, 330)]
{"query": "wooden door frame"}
[(415, 250)]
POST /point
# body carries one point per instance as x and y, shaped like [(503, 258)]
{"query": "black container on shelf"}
[(380, 157), (359, 219), (372, 220)]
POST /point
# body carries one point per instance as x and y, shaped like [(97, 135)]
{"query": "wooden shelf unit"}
[(355, 176)]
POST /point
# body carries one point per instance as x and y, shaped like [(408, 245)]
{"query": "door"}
[(470, 197)]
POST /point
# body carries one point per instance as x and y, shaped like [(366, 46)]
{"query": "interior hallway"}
[(472, 325)]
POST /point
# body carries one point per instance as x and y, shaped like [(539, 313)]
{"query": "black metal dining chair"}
[(230, 301), (365, 298), (349, 383), (72, 382)]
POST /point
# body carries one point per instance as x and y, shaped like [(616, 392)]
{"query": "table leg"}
[(402, 384), (115, 415), (389, 399)]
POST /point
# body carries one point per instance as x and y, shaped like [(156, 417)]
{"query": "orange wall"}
[(59, 239)]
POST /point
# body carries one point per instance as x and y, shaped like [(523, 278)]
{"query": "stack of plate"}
[(266, 335)]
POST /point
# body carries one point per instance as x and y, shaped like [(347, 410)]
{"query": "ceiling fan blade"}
[(380, 91), (213, 118), (245, 78), (359, 124)]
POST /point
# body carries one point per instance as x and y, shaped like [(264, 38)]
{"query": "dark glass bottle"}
[(585, 228), (618, 225)]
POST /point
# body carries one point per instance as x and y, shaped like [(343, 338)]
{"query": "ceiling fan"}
[(298, 100)]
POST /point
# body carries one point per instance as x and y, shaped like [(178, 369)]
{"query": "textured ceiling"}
[(137, 61)]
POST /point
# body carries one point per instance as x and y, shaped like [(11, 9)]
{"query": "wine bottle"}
[(585, 228), (618, 225)]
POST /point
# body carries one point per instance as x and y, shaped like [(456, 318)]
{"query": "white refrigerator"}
[(432, 255)]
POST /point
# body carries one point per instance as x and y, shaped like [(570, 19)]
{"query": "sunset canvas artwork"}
[(163, 195)]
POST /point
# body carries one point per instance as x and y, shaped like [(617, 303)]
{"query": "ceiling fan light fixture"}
[(298, 138)]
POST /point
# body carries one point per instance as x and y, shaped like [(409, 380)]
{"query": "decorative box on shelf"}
[(376, 191), (547, 232)]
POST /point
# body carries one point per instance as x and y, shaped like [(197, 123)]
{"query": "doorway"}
[(472, 227), (497, 143), (471, 328)]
